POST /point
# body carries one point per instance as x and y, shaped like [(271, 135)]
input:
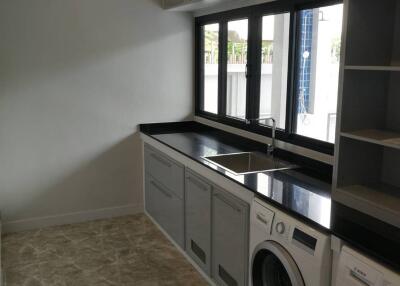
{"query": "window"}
[(278, 59), (236, 86), (210, 62), (318, 71)]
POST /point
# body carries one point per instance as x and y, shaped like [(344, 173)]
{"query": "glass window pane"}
[(211, 49), (274, 67), (318, 71), (237, 61)]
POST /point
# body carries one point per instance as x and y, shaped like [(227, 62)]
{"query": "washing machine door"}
[(272, 265)]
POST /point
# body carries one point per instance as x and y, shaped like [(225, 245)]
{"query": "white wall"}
[(76, 77)]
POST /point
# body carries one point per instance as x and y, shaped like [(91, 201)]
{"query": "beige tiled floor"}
[(120, 251)]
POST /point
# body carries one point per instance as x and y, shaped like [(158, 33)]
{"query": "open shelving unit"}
[(368, 179), (367, 152)]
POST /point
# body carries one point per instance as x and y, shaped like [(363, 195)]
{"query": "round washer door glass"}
[(273, 266)]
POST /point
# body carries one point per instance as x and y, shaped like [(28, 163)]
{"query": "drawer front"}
[(198, 220), (230, 239), (165, 170), (166, 208)]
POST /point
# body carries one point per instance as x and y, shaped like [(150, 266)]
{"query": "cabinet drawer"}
[(166, 208), (198, 220), (230, 239), (164, 170)]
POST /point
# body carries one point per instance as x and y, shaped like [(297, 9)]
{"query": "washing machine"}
[(355, 269), (286, 252)]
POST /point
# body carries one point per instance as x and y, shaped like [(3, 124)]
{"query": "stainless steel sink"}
[(249, 162)]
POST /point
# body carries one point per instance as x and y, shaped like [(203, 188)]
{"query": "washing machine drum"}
[(273, 266)]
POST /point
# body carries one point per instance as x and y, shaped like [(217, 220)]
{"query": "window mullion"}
[(199, 48), (291, 103), (254, 66), (223, 58)]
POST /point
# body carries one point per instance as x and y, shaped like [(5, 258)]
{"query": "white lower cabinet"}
[(209, 223), (198, 220), (229, 239)]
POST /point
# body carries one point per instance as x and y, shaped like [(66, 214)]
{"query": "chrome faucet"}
[(270, 147)]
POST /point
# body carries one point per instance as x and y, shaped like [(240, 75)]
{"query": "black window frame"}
[(254, 14)]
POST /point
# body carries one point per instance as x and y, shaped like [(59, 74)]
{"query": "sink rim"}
[(289, 166)]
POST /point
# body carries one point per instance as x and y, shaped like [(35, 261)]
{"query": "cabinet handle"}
[(197, 183), (161, 189), (161, 160), (225, 201)]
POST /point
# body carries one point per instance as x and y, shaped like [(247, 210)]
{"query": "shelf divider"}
[(380, 137), (379, 200)]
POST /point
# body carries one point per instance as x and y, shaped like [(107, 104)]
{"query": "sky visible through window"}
[(211, 49)]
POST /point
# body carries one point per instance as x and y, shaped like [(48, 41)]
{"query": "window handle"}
[(247, 71)]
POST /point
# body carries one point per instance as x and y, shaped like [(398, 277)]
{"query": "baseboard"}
[(40, 222), (188, 258)]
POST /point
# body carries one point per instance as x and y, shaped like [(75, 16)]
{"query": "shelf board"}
[(381, 201), (372, 68), (375, 136)]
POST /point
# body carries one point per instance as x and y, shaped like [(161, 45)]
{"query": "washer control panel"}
[(292, 234), (304, 240)]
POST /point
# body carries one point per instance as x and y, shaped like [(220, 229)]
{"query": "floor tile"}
[(120, 251)]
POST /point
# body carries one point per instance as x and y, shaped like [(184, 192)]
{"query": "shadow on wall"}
[(76, 78)]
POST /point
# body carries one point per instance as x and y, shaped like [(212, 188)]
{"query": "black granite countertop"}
[(303, 192)]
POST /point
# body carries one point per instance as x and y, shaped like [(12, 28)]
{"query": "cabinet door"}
[(166, 208), (198, 220), (229, 239), (165, 170)]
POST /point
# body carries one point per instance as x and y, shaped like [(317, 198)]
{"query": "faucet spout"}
[(270, 147)]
